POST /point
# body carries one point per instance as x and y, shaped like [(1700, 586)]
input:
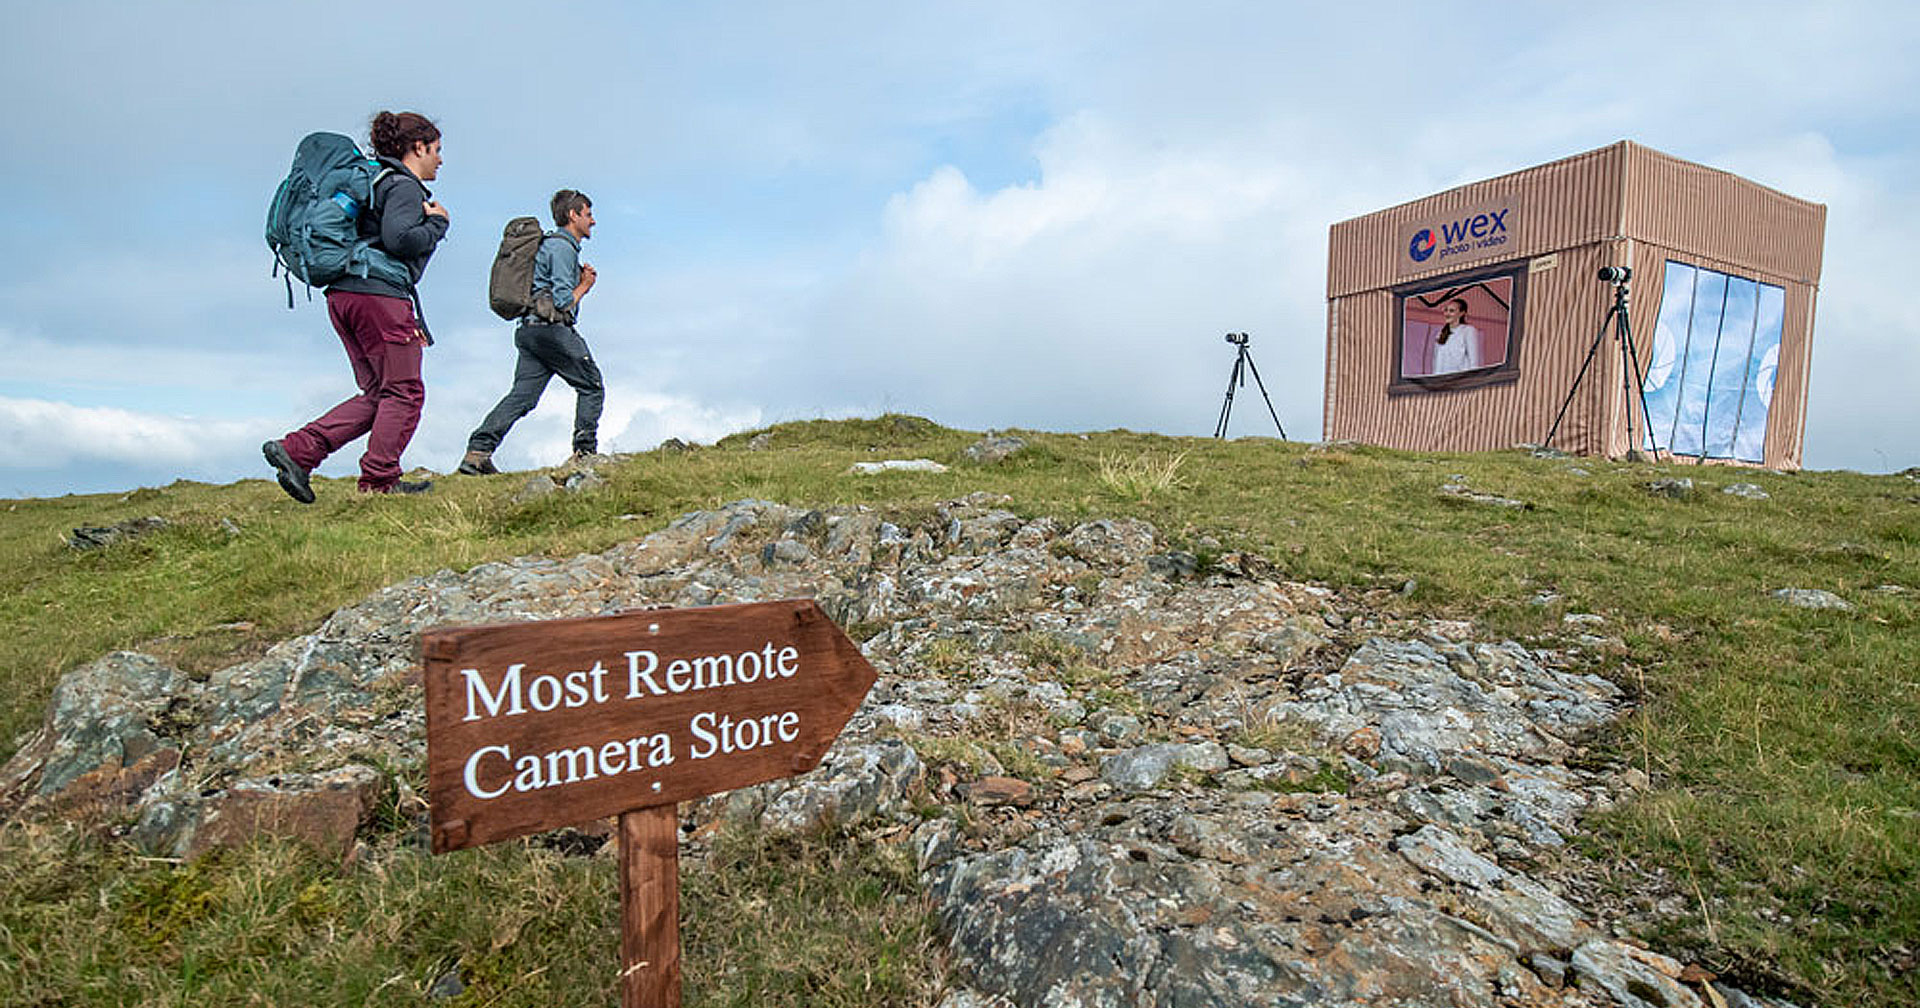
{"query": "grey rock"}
[(995, 448), (1206, 757), (1098, 921), (1119, 729), (1244, 756), (849, 788), (1552, 970), (1108, 542), (91, 537), (102, 715), (447, 985), (1288, 772), (1148, 767), (581, 481), (1634, 978), (1430, 703), (1174, 565), (1513, 906), (901, 716), (785, 551), (1812, 598), (1750, 491), (1740, 999), (535, 489), (1459, 492), (964, 997), (1674, 488), (1143, 769), (935, 842), (896, 465)]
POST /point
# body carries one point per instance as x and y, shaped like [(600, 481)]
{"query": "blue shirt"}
[(556, 270)]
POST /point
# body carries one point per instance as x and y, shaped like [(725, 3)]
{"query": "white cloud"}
[(37, 434), (1095, 297)]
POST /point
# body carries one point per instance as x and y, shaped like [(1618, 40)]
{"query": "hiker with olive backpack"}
[(542, 292)]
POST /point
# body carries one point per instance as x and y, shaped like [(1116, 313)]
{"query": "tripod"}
[(1238, 377), (1631, 376)]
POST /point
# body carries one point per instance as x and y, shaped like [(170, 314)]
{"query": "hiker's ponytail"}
[(394, 134)]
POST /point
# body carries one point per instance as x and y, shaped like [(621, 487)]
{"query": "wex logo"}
[(1483, 225), (1422, 245)]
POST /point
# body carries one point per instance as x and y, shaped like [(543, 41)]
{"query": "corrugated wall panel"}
[(1705, 211), (1565, 324), (1787, 425), (1333, 367)]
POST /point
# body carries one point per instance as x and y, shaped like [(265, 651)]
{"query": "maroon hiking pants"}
[(384, 345)]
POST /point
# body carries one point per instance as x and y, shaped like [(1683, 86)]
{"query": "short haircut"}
[(565, 202)]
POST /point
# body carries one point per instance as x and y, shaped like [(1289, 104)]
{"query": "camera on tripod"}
[(1242, 364), (1632, 377)]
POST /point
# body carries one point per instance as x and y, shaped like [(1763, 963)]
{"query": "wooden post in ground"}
[(650, 908)]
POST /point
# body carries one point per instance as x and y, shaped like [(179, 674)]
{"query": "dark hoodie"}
[(405, 231)]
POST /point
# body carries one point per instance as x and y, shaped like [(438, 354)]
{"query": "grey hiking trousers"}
[(545, 351)]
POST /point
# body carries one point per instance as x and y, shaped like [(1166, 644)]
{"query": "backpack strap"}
[(374, 202), (374, 205)]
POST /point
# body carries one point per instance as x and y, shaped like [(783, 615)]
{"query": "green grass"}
[(808, 922), (1781, 742)]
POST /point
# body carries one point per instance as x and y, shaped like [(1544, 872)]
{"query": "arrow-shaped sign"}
[(535, 726)]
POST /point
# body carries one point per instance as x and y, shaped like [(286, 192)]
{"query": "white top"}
[(1461, 351)]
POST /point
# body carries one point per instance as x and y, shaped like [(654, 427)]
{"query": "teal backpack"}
[(313, 224)]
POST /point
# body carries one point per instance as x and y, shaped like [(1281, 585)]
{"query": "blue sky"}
[(991, 214)]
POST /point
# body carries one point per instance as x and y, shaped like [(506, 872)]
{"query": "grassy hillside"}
[(1782, 825)]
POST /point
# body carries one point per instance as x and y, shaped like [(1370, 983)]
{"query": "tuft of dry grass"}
[(1140, 477)]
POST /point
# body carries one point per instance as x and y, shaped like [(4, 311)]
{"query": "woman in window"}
[(1457, 348)]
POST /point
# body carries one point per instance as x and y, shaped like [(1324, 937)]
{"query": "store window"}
[(1710, 374), (1459, 331)]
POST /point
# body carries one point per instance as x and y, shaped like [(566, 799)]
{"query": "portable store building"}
[(1463, 321)]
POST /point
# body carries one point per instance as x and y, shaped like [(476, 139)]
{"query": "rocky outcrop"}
[(1129, 777)]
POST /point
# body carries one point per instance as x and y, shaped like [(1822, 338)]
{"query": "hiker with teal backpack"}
[(362, 228), (538, 280)]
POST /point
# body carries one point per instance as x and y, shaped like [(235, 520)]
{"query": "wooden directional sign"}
[(535, 726)]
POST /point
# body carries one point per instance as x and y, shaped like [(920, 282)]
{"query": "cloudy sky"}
[(1032, 214)]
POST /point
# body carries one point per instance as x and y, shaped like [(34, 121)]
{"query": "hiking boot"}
[(401, 487), (293, 479), (477, 463)]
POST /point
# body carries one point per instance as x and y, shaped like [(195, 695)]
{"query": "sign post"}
[(535, 726), (650, 907)]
